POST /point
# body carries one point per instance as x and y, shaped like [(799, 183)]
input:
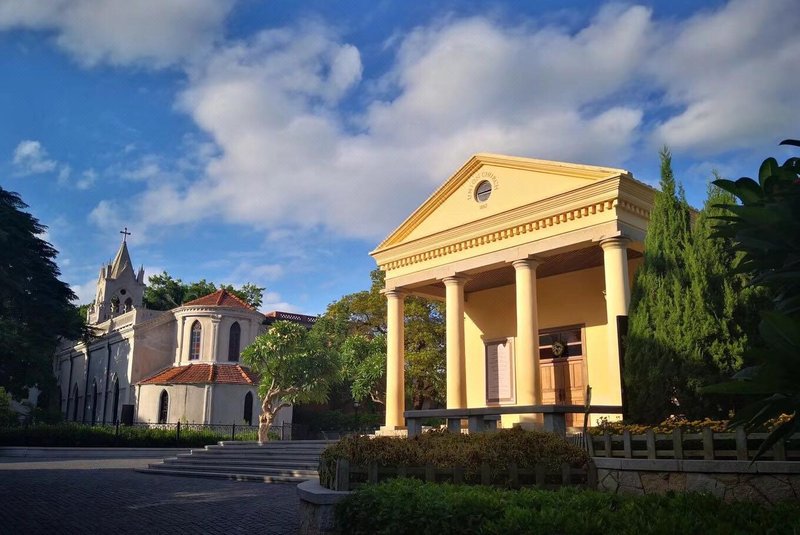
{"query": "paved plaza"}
[(108, 496)]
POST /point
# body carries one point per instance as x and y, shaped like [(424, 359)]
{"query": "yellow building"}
[(534, 260)]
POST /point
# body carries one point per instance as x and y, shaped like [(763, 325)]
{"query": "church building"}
[(152, 366), (534, 260)]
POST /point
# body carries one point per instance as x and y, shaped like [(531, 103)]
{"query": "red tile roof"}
[(220, 298), (229, 374)]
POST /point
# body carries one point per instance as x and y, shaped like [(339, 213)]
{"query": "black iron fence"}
[(139, 434)]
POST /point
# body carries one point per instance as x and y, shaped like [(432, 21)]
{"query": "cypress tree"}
[(691, 315), (651, 366)]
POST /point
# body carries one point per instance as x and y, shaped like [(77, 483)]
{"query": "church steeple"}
[(122, 261), (119, 288)]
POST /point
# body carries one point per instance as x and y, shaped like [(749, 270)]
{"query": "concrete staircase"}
[(273, 462)]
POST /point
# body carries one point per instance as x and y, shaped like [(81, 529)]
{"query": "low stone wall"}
[(317, 504), (763, 481)]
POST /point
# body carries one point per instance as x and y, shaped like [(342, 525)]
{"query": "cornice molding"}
[(503, 234)]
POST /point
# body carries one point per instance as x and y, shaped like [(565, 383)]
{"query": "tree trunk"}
[(264, 423)]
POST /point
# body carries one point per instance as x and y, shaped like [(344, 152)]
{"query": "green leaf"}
[(768, 168)]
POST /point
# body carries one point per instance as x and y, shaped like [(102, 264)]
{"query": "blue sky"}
[(279, 142)]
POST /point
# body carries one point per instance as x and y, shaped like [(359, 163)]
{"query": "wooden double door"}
[(562, 370)]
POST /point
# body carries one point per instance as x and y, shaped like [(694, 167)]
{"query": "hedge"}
[(410, 506), (443, 449), (71, 435)]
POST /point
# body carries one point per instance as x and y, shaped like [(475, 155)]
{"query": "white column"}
[(181, 341), (618, 298), (456, 365), (526, 347), (395, 358), (215, 319)]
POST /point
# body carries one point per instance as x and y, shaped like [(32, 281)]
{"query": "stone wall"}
[(764, 481), (317, 505)]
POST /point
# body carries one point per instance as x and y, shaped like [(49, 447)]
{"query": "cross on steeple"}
[(125, 234)]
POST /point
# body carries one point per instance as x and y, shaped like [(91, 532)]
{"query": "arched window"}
[(248, 408), (75, 407), (194, 343), (128, 304), (115, 413), (94, 402), (233, 342), (115, 305), (163, 407)]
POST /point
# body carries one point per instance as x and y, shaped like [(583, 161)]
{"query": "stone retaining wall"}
[(316, 511), (763, 481)]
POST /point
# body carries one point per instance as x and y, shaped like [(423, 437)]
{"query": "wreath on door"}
[(559, 348)]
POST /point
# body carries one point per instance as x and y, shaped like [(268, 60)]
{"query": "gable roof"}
[(589, 173), (220, 298), (229, 374)]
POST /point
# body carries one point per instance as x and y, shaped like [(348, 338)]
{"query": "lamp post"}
[(356, 404)]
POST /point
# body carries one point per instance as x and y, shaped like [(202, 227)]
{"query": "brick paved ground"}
[(107, 496)]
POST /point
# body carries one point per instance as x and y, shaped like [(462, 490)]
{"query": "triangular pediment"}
[(514, 183)]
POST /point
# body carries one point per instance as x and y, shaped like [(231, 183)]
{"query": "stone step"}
[(276, 461), (227, 475), (308, 464), (277, 472), (273, 443), (257, 453)]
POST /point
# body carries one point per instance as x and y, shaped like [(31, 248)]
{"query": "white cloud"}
[(87, 180), (288, 158), (85, 291), (733, 73), (273, 301), (122, 32), (31, 158)]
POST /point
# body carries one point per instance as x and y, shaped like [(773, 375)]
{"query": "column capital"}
[(615, 242), (454, 280), (530, 262), (393, 293)]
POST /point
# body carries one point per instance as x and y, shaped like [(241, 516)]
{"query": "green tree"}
[(355, 326), (164, 292), (35, 306), (195, 290), (652, 368), (249, 293), (294, 367), (691, 315), (765, 230)]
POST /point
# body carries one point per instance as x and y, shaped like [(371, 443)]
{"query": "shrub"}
[(443, 449), (410, 506), (667, 426)]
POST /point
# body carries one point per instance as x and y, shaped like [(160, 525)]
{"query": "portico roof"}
[(527, 207)]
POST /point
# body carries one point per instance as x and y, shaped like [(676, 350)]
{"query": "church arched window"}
[(115, 305), (248, 408), (234, 342), (194, 342), (128, 304), (163, 407)]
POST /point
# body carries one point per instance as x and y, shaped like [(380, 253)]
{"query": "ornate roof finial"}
[(125, 234)]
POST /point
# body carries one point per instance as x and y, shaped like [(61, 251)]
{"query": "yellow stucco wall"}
[(574, 298)]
